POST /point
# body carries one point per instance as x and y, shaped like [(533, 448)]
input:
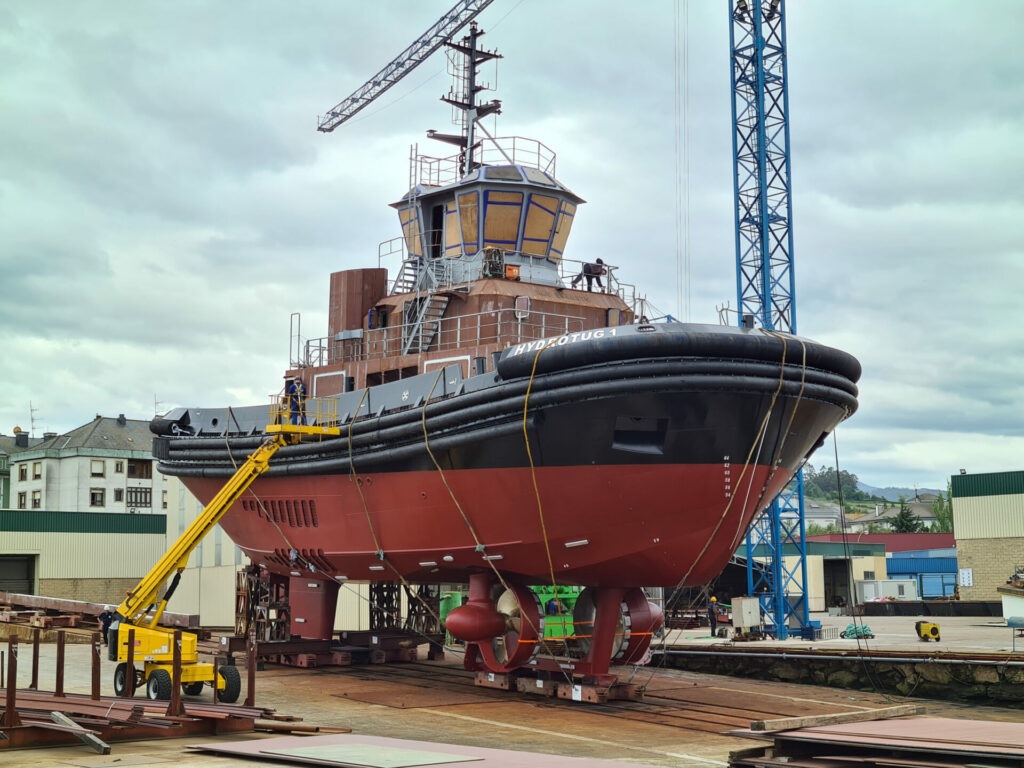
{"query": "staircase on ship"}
[(422, 313)]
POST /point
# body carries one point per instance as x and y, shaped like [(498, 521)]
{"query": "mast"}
[(418, 52), (463, 96)]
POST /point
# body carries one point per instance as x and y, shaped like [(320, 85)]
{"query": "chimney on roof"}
[(121, 420), (48, 435), (21, 439)]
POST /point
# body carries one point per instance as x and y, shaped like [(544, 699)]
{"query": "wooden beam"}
[(88, 738), (789, 723)]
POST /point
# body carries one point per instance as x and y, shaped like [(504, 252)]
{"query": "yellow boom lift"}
[(143, 607)]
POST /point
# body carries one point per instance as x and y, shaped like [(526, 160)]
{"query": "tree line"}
[(825, 483)]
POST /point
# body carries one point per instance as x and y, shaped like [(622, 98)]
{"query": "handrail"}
[(430, 171), (496, 327)]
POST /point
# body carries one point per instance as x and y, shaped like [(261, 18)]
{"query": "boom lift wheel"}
[(120, 679), (193, 689), (232, 684), (158, 687)]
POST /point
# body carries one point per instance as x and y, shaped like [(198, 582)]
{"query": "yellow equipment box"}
[(927, 630)]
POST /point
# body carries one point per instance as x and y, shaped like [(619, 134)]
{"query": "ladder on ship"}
[(409, 277), (422, 322)]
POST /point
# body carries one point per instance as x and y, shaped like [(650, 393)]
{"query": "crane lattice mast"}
[(764, 270), (458, 17)]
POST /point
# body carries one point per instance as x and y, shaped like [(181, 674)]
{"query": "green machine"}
[(556, 605)]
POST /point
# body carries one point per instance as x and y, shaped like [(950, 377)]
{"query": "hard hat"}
[(714, 599)]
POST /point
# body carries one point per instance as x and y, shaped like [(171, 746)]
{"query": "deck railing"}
[(501, 327)]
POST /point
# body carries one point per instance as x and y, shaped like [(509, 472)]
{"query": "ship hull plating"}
[(603, 525), (630, 461)]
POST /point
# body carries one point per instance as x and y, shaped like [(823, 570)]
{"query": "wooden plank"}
[(87, 738), (789, 723)]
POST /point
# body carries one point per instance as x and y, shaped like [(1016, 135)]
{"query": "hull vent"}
[(293, 513)]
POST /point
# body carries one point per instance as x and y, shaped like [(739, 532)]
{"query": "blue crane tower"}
[(764, 272)]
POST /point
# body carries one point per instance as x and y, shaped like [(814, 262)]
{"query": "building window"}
[(37, 499), (900, 590), (21, 500), (99, 468), (37, 470), (97, 497), (163, 499), (869, 575), (119, 467), (140, 469), (140, 497), (23, 472), (118, 494)]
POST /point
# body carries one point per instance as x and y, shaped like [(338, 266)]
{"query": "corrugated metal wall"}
[(988, 517), (987, 484), (87, 555), (915, 565)]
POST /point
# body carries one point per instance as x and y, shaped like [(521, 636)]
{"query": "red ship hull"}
[(629, 469), (581, 522)]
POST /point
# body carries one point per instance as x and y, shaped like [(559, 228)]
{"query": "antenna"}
[(31, 419)]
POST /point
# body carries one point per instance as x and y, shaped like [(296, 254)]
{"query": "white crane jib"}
[(404, 63)]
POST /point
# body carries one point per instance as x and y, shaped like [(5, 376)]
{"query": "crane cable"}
[(533, 468), (359, 481), (369, 520), (480, 546), (756, 447), (536, 488), (259, 501), (681, 137)]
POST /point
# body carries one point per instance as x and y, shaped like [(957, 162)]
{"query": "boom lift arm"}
[(144, 605), (136, 606)]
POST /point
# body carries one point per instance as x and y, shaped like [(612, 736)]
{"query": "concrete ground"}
[(321, 697), (957, 634)]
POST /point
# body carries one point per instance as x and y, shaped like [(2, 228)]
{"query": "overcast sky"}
[(167, 204)]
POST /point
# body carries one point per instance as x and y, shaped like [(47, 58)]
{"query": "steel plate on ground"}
[(484, 756), (369, 755)]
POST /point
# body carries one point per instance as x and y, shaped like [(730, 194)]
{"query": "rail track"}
[(673, 698)]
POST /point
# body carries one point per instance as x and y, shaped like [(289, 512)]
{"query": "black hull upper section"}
[(655, 394)]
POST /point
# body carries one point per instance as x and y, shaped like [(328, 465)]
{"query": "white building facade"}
[(103, 466)]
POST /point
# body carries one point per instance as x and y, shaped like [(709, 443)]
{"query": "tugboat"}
[(498, 424)]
